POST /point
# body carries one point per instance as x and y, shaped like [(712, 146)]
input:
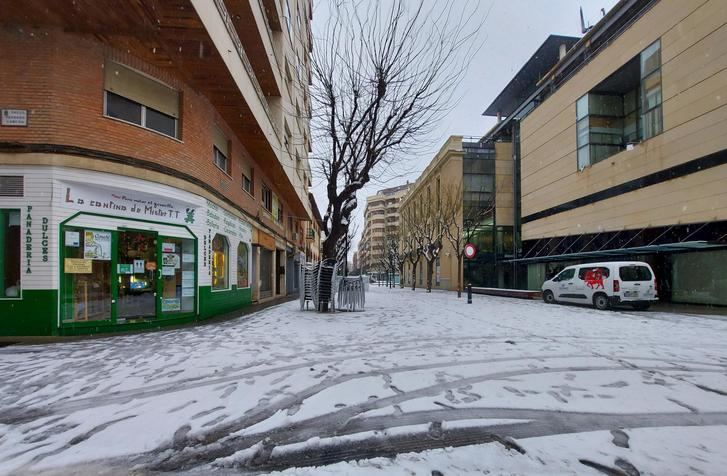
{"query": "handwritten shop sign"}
[(228, 224), (128, 203)]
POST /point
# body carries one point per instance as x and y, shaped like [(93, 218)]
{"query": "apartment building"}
[(381, 220), (153, 160), (478, 174), (621, 150)]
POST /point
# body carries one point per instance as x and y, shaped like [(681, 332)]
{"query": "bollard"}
[(469, 293)]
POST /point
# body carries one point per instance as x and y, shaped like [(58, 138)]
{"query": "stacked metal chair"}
[(351, 293), (325, 295), (308, 279)]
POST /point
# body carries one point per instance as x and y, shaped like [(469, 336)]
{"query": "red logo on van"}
[(594, 278)]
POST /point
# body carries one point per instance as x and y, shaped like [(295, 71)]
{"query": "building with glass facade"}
[(620, 151), (479, 172), (152, 170)]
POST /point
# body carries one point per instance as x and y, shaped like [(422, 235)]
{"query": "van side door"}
[(564, 286)]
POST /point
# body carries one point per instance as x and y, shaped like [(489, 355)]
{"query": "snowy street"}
[(415, 383)]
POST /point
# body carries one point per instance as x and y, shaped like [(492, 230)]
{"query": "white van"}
[(604, 285)]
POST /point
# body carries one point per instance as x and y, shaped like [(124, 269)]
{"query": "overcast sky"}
[(511, 33)]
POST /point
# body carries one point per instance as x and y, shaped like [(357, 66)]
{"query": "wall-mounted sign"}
[(97, 245), (222, 221), (77, 266), (127, 203), (14, 117)]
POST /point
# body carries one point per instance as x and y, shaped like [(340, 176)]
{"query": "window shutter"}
[(11, 186), (131, 84), (220, 141)]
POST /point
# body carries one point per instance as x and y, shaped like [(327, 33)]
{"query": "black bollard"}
[(469, 293)]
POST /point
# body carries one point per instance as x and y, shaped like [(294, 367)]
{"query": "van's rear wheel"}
[(548, 297), (600, 300)]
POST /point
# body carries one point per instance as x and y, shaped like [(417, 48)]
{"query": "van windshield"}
[(634, 273)]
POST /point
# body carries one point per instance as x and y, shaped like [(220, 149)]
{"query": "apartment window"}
[(221, 150), (267, 198), (247, 184), (10, 253), (280, 212), (623, 109), (136, 98), (220, 254), (287, 19)]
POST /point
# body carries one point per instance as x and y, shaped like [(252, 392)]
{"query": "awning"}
[(637, 250)]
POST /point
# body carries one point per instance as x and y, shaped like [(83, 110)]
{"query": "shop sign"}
[(172, 304), (77, 266), (127, 203), (28, 239), (228, 224), (97, 245), (14, 117)]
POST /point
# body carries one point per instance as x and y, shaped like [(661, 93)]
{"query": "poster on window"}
[(73, 239), (171, 259), (97, 245), (173, 304)]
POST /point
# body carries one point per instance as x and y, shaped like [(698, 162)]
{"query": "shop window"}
[(267, 198), (242, 266), (623, 109), (9, 253), (136, 98), (87, 259), (220, 254)]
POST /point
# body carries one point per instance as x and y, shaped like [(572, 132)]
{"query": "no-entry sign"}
[(469, 251)]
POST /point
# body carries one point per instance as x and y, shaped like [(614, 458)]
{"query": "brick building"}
[(153, 160)]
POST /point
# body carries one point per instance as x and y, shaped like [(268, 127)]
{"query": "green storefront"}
[(144, 260)]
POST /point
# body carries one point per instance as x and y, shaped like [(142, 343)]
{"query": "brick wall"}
[(58, 78)]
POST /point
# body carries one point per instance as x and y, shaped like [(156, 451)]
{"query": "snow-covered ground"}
[(415, 383)]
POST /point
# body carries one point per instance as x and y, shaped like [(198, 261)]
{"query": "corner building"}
[(153, 161)]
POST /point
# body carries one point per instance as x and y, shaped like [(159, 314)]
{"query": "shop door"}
[(177, 285), (136, 270)]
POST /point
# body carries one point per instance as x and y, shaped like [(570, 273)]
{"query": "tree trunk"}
[(414, 275), (401, 276), (429, 275), (459, 276)]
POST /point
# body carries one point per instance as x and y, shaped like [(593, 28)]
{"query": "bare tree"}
[(460, 222), (425, 223), (409, 244), (384, 73)]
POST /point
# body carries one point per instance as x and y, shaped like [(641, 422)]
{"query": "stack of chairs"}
[(325, 295), (351, 293), (308, 280)]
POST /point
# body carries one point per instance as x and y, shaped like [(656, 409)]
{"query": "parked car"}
[(604, 285)]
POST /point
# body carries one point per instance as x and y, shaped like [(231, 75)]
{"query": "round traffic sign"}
[(469, 251)]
